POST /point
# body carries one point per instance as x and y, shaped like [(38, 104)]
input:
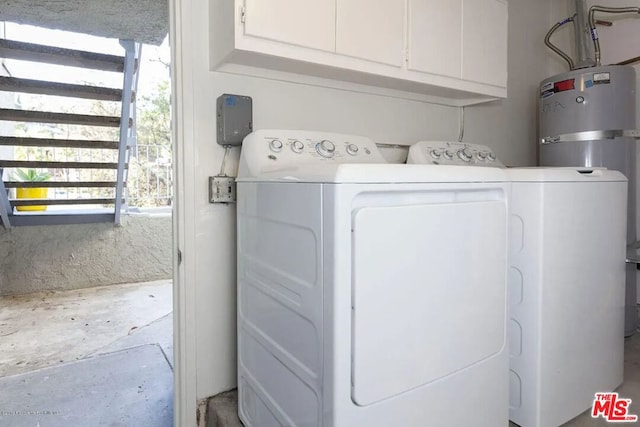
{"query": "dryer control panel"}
[(452, 153), (269, 150)]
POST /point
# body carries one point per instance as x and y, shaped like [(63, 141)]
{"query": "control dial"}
[(326, 148), (275, 145), (481, 156), (448, 154), (465, 155), (436, 154), (491, 157), (297, 146), (352, 149)]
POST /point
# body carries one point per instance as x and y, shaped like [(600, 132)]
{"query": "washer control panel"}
[(268, 150), (452, 153)]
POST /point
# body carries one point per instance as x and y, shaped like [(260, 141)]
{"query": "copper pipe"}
[(592, 23), (629, 61)]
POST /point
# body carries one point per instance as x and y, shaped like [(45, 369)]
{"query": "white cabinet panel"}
[(485, 41), (452, 52), (371, 29), (435, 36), (309, 23)]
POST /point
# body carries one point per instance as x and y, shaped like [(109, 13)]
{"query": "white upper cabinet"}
[(372, 30), (484, 44), (308, 23), (451, 52), (435, 37), (466, 39)]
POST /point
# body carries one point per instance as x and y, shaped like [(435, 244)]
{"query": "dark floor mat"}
[(133, 387)]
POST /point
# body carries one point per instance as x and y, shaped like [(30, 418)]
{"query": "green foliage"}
[(154, 117), (32, 175), (149, 178)]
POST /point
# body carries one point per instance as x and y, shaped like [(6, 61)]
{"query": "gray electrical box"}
[(234, 118)]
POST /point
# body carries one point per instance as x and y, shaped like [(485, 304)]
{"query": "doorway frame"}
[(184, 298)]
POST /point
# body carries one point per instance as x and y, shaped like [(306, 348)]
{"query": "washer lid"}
[(563, 174), (380, 173)]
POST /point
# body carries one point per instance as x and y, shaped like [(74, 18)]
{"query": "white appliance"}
[(566, 291), (452, 153), (566, 285), (369, 294)]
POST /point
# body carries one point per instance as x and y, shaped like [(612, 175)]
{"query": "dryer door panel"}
[(429, 285)]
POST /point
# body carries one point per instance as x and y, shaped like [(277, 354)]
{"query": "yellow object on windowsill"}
[(31, 193)]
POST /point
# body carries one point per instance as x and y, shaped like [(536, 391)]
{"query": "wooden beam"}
[(41, 87), (12, 49), (60, 184), (52, 142), (54, 218), (35, 164), (63, 118), (50, 202)]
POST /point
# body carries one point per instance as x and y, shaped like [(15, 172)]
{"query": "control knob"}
[(491, 157), (448, 154), (465, 155), (275, 145), (436, 154), (481, 156), (297, 146), (352, 149), (326, 148)]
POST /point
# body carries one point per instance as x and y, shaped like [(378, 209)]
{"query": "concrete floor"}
[(47, 328), (102, 356)]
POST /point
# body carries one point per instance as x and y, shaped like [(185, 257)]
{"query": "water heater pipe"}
[(592, 24), (547, 41)]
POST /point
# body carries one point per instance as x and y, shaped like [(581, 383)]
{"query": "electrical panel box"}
[(234, 118), (222, 189)]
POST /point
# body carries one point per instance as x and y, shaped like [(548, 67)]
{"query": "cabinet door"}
[(435, 36), (309, 23), (485, 41), (371, 29)]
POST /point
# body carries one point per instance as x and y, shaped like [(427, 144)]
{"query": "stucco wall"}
[(144, 21), (80, 256)]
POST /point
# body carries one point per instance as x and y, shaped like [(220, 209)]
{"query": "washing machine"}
[(566, 291), (369, 294), (587, 118), (566, 283)]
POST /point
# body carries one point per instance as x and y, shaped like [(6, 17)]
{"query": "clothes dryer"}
[(369, 294)]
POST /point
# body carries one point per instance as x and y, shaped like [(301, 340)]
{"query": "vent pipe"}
[(584, 44)]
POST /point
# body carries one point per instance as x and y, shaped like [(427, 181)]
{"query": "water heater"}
[(587, 118)]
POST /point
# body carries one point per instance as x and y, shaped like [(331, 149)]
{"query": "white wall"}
[(510, 126), (206, 233)]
